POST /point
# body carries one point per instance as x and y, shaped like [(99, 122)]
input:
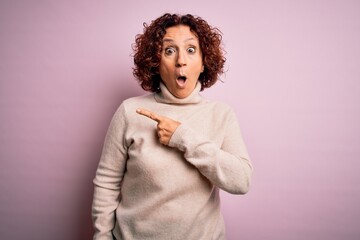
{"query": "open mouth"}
[(181, 80)]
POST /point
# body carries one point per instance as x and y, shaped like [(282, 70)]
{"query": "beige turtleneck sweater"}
[(145, 190)]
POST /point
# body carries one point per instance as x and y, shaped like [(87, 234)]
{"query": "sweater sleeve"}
[(228, 166), (108, 177)]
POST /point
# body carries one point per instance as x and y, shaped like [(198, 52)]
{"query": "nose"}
[(181, 59)]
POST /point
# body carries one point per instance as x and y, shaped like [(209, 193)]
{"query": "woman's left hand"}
[(165, 127)]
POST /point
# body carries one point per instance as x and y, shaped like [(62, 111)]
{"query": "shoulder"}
[(128, 107), (138, 100), (220, 107), (135, 102)]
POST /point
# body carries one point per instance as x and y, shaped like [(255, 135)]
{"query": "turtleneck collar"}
[(165, 96)]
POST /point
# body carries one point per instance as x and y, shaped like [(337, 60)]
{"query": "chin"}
[(182, 95)]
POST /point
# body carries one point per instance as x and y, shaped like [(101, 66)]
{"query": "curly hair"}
[(148, 46)]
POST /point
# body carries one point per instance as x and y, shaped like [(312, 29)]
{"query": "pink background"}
[(293, 78)]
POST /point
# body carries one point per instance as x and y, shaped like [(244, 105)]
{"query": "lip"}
[(181, 81)]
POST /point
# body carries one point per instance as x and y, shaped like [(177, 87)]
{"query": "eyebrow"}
[(170, 40)]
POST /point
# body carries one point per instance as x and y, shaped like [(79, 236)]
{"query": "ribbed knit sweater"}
[(146, 190)]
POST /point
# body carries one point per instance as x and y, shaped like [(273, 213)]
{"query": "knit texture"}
[(145, 190)]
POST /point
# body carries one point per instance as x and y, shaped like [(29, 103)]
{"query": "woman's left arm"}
[(228, 166)]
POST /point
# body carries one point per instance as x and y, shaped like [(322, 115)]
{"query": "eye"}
[(191, 50), (169, 51)]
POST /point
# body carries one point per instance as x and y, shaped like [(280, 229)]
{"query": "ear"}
[(202, 68)]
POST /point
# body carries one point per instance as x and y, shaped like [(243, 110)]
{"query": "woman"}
[(167, 154)]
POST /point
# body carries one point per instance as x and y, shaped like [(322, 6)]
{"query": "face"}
[(181, 61)]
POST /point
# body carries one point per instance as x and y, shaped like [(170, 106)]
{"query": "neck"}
[(165, 96)]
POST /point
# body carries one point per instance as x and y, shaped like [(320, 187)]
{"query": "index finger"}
[(149, 114)]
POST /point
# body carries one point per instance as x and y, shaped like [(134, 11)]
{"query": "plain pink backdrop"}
[(293, 78)]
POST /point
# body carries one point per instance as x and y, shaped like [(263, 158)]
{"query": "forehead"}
[(180, 33)]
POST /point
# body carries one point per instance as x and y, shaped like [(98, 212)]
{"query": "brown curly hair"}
[(148, 46)]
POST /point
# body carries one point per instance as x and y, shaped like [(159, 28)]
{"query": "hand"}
[(165, 127)]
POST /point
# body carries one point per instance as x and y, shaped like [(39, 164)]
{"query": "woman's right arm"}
[(108, 177)]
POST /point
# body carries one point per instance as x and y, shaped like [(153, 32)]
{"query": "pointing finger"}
[(149, 114)]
